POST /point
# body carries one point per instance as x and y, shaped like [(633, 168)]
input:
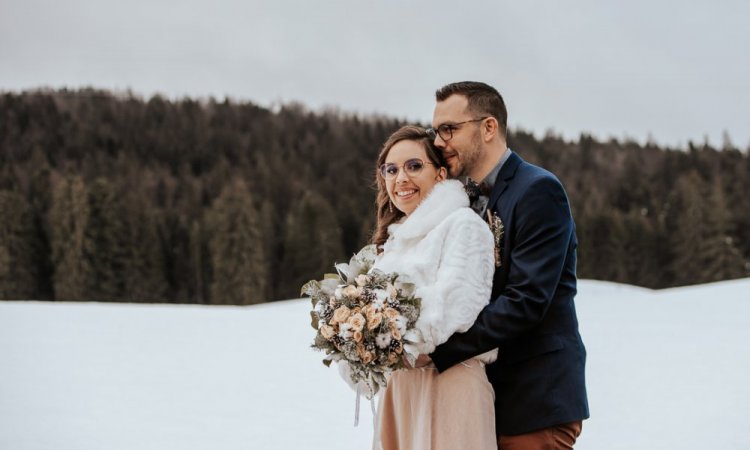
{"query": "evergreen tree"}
[(704, 249), (104, 243), (69, 216), (143, 268), (312, 243), (269, 226), (601, 246), (236, 247), (18, 248), (199, 266)]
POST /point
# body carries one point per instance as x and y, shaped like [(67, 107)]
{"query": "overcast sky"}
[(675, 71)]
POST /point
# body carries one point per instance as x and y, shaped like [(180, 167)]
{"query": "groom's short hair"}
[(483, 100)]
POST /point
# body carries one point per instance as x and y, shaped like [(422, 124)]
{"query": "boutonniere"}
[(497, 228)]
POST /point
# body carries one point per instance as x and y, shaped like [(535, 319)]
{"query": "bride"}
[(426, 231)]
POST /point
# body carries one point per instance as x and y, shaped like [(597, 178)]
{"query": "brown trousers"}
[(561, 437)]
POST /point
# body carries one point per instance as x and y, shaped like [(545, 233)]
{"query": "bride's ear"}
[(442, 174)]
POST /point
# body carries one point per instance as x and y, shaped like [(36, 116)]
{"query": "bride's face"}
[(409, 175)]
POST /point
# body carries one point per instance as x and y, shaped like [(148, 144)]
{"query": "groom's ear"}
[(442, 174), (490, 129)]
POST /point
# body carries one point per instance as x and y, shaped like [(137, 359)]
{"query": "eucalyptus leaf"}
[(310, 288), (343, 270), (407, 289)]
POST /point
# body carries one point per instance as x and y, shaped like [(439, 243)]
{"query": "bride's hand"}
[(422, 361)]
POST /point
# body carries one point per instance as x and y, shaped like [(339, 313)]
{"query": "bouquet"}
[(365, 318)]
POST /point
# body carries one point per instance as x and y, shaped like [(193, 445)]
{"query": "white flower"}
[(328, 285), (381, 295), (401, 323), (383, 340), (345, 330)]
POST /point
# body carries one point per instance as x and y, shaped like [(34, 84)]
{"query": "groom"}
[(540, 394)]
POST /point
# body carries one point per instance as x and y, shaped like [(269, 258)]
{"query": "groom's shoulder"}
[(534, 175)]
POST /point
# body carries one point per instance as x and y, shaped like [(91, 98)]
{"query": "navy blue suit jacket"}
[(539, 374)]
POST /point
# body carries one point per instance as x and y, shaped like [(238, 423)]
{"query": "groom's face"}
[(462, 150)]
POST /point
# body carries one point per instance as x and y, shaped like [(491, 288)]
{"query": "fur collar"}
[(445, 198)]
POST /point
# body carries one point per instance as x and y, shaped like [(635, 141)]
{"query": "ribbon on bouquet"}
[(375, 432)]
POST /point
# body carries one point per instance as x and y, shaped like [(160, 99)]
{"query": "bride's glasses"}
[(412, 167)]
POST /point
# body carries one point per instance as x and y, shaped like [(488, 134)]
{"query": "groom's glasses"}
[(445, 131), (412, 167)]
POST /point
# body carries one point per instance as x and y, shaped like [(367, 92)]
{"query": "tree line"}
[(113, 197)]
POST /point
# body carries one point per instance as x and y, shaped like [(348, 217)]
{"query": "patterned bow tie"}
[(479, 194)]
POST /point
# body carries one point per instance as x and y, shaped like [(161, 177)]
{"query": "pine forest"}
[(115, 197)]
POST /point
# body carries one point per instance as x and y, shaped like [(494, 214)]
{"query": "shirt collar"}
[(491, 177)]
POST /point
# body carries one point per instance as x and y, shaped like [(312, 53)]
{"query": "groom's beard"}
[(466, 160)]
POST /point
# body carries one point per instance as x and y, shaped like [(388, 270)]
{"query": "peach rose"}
[(369, 310), (362, 279), (341, 314), (392, 358), (374, 320), (358, 336), (368, 357), (395, 334), (391, 313), (350, 291), (357, 322), (327, 331)]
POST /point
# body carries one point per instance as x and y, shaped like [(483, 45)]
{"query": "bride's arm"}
[(463, 282)]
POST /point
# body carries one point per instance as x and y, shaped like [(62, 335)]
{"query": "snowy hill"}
[(666, 370)]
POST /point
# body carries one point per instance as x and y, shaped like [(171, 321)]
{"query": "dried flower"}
[(341, 314), (362, 279), (392, 291), (368, 357), (391, 313), (327, 331), (374, 321), (350, 291), (357, 322), (383, 340), (361, 315), (345, 331)]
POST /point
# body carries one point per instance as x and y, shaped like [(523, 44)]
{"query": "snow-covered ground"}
[(666, 370)]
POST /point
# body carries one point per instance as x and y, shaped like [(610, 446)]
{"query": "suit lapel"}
[(504, 177)]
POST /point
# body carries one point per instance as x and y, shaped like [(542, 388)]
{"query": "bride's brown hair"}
[(387, 213)]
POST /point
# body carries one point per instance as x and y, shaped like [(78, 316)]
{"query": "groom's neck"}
[(491, 155)]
